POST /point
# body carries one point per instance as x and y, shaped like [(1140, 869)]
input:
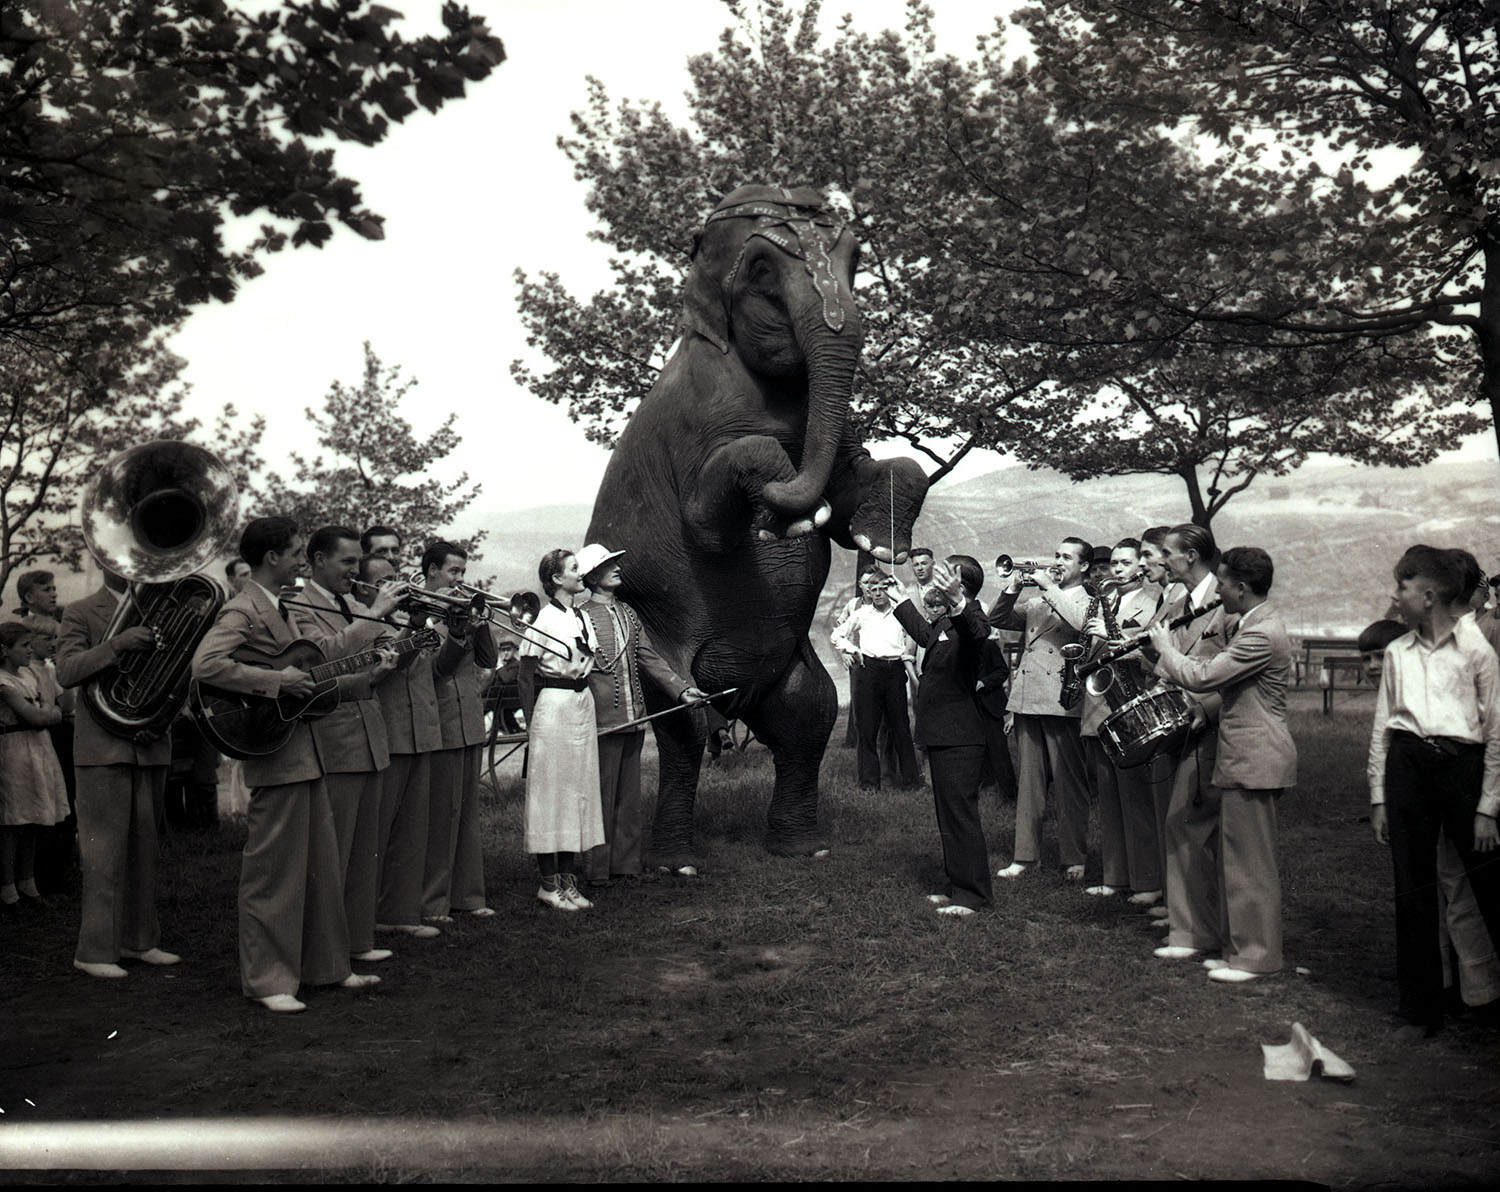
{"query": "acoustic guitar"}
[(247, 726)]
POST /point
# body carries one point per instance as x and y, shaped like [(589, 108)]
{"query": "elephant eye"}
[(763, 275)]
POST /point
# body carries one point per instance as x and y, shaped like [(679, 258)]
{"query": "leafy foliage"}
[(372, 448), (1041, 274)]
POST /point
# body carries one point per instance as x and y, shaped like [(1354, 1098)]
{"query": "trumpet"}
[(1005, 565)]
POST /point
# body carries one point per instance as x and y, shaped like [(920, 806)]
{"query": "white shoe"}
[(1176, 952), (437, 918), (480, 912), (420, 931), (1145, 898), (282, 1003), (1015, 869), (1157, 912), (1101, 891), (958, 912), (555, 896), (1213, 962), (1074, 873), (152, 956), (939, 899), (1161, 925), (572, 893), (1232, 975), (359, 981), (373, 955), (96, 969)]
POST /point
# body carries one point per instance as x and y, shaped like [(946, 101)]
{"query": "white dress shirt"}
[(875, 634)]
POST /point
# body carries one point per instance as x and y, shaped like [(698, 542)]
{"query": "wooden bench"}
[(1334, 675), (1339, 647)]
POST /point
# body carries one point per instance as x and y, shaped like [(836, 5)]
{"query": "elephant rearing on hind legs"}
[(729, 481)]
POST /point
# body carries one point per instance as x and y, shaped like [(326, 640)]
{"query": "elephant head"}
[(772, 282)]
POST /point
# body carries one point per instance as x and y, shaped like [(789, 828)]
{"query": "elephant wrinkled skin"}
[(727, 485)]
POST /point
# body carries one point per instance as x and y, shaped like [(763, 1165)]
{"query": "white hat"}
[(593, 556)]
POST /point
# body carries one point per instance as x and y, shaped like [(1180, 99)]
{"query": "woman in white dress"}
[(563, 817), (32, 794)]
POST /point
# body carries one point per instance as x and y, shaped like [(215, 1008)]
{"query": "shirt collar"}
[(273, 597), (317, 587), (1205, 590)]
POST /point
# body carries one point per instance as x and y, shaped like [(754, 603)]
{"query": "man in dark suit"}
[(291, 895), (350, 740), (950, 725), (994, 675), (120, 787)]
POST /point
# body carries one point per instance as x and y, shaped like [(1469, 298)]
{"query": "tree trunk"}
[(1201, 514)]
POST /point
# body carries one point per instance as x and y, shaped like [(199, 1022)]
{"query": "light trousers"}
[(1052, 743), (354, 800), (405, 801), (117, 808)]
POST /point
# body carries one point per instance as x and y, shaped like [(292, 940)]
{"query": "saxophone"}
[(1071, 694), (1106, 675)]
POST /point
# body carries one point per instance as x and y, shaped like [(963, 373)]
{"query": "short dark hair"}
[(970, 573), (231, 565), (918, 550), (1128, 544), (12, 633), (1155, 535), (325, 538), (1469, 568), (32, 579), (367, 561), (1428, 562), (1377, 635), (437, 554), (265, 534), (1250, 566), (872, 567), (1198, 539), (1085, 550), (551, 564), (375, 532)]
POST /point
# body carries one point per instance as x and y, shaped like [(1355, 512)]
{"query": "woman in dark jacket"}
[(950, 724)]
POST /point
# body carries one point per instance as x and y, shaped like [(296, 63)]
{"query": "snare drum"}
[(1151, 723)]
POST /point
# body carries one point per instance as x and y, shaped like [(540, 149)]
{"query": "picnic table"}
[(1341, 648)]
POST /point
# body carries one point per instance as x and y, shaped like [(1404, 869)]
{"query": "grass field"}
[(771, 1019)]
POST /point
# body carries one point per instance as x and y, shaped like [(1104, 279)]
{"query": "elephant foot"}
[(796, 846)]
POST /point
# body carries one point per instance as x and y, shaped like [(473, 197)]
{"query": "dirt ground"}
[(775, 1019)]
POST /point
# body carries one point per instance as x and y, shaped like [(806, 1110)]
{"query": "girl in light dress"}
[(563, 816), (32, 793)]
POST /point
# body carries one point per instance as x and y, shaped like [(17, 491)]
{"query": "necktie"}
[(344, 608), (286, 613)]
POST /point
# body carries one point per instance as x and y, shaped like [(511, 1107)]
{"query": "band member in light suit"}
[(453, 878), (120, 787), (291, 897), (624, 653), (1192, 822), (350, 740), (1046, 732), (1256, 761)]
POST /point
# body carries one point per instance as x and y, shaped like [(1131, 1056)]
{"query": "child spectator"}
[(32, 794)]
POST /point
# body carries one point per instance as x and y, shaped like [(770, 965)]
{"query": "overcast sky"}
[(469, 195)]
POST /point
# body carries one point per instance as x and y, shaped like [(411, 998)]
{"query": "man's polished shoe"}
[(1176, 952), (1157, 912), (1101, 891), (1074, 873), (955, 911), (437, 918), (479, 912), (1161, 924), (1232, 976), (939, 899), (152, 956), (1145, 898), (373, 955), (96, 969), (282, 1003), (1213, 962), (359, 981), (420, 931), (1016, 869)]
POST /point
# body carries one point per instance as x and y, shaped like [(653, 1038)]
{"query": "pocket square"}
[(1212, 633)]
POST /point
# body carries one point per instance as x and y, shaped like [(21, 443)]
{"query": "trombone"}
[(478, 607)]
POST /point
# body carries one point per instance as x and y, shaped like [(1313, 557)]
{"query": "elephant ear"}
[(705, 306)]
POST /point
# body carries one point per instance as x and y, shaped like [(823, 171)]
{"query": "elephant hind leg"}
[(679, 745), (794, 720)]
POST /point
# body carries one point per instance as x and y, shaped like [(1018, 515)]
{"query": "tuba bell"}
[(155, 513)]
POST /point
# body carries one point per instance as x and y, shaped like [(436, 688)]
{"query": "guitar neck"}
[(358, 662)]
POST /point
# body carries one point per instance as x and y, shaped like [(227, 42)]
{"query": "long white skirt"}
[(562, 774)]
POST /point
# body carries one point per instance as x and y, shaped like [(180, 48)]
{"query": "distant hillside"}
[(1334, 530)]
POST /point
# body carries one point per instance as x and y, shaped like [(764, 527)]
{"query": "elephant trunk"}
[(831, 358)]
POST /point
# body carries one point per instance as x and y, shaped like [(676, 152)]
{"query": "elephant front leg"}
[(794, 720), (875, 505), (726, 500)]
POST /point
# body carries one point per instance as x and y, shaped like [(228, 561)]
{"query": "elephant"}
[(728, 483)]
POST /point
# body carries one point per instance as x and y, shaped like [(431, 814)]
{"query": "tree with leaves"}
[(1020, 268), (1400, 232), (63, 415), (378, 471)]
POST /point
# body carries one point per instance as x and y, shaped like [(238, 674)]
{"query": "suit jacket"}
[(947, 708), (82, 653), (618, 668), (1203, 637), (408, 702), (456, 680), (251, 619), (1256, 751), (1038, 682), (1137, 609), (351, 739), (994, 674)]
